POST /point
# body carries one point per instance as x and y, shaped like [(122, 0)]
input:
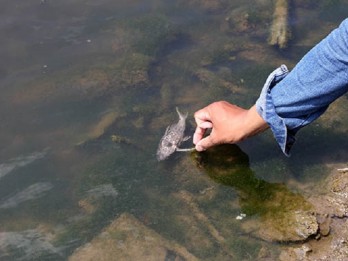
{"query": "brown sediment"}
[(280, 33), (212, 80), (166, 94), (101, 126), (126, 238), (202, 218), (188, 198)]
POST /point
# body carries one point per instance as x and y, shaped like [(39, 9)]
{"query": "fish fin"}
[(181, 116), (186, 138), (167, 130)]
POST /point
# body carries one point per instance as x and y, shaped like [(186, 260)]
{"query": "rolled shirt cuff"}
[(265, 107)]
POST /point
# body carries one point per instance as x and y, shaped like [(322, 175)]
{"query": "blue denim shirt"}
[(291, 100)]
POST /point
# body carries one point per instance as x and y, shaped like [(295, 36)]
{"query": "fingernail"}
[(199, 148)]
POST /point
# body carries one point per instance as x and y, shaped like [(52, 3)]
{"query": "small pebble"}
[(241, 216)]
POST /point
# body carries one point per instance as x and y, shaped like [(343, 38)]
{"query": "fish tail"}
[(181, 116)]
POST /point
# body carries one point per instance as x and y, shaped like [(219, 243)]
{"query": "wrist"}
[(253, 123)]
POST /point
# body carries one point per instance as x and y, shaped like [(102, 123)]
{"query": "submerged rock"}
[(21, 161), (32, 244), (333, 197), (274, 213), (213, 80), (238, 19), (126, 238), (325, 249), (329, 201), (120, 139), (104, 190), (97, 130), (280, 32), (295, 253), (167, 95), (188, 199), (208, 5), (32, 192), (291, 227), (91, 80), (131, 70), (95, 195)]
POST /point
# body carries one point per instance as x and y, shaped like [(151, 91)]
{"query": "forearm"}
[(317, 80), (253, 123), (292, 100)]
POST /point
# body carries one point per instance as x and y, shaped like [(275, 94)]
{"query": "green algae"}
[(244, 248), (150, 33), (126, 77), (131, 70), (120, 139), (109, 169), (228, 165)]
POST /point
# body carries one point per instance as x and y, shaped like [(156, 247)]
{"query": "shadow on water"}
[(90, 60), (315, 145), (229, 165)]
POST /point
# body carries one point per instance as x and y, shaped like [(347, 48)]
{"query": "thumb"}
[(205, 143)]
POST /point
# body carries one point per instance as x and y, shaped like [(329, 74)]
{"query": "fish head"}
[(165, 149)]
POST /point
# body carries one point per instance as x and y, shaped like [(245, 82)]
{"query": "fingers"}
[(204, 122), (202, 118), (206, 125), (202, 115), (205, 143), (226, 121), (200, 131)]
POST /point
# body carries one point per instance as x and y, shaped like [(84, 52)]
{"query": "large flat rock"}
[(126, 238)]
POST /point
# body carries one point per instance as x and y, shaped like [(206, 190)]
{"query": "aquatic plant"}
[(150, 33), (283, 213), (129, 70)]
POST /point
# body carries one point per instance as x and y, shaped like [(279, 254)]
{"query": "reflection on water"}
[(32, 192), (97, 84), (277, 206), (21, 161)]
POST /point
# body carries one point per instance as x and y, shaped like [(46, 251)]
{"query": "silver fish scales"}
[(172, 138)]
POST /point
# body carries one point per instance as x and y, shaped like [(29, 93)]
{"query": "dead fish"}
[(32, 192), (172, 138)]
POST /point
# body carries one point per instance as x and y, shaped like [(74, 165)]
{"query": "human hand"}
[(228, 123)]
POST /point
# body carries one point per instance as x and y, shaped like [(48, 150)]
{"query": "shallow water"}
[(87, 90)]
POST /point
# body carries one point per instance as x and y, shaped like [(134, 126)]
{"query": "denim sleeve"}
[(291, 100)]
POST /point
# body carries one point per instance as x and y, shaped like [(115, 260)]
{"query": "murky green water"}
[(87, 90)]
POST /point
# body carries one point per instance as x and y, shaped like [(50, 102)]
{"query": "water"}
[(87, 90)]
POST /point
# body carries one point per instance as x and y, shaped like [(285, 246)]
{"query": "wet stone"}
[(263, 253), (295, 253), (333, 198), (324, 225), (294, 226), (126, 238)]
